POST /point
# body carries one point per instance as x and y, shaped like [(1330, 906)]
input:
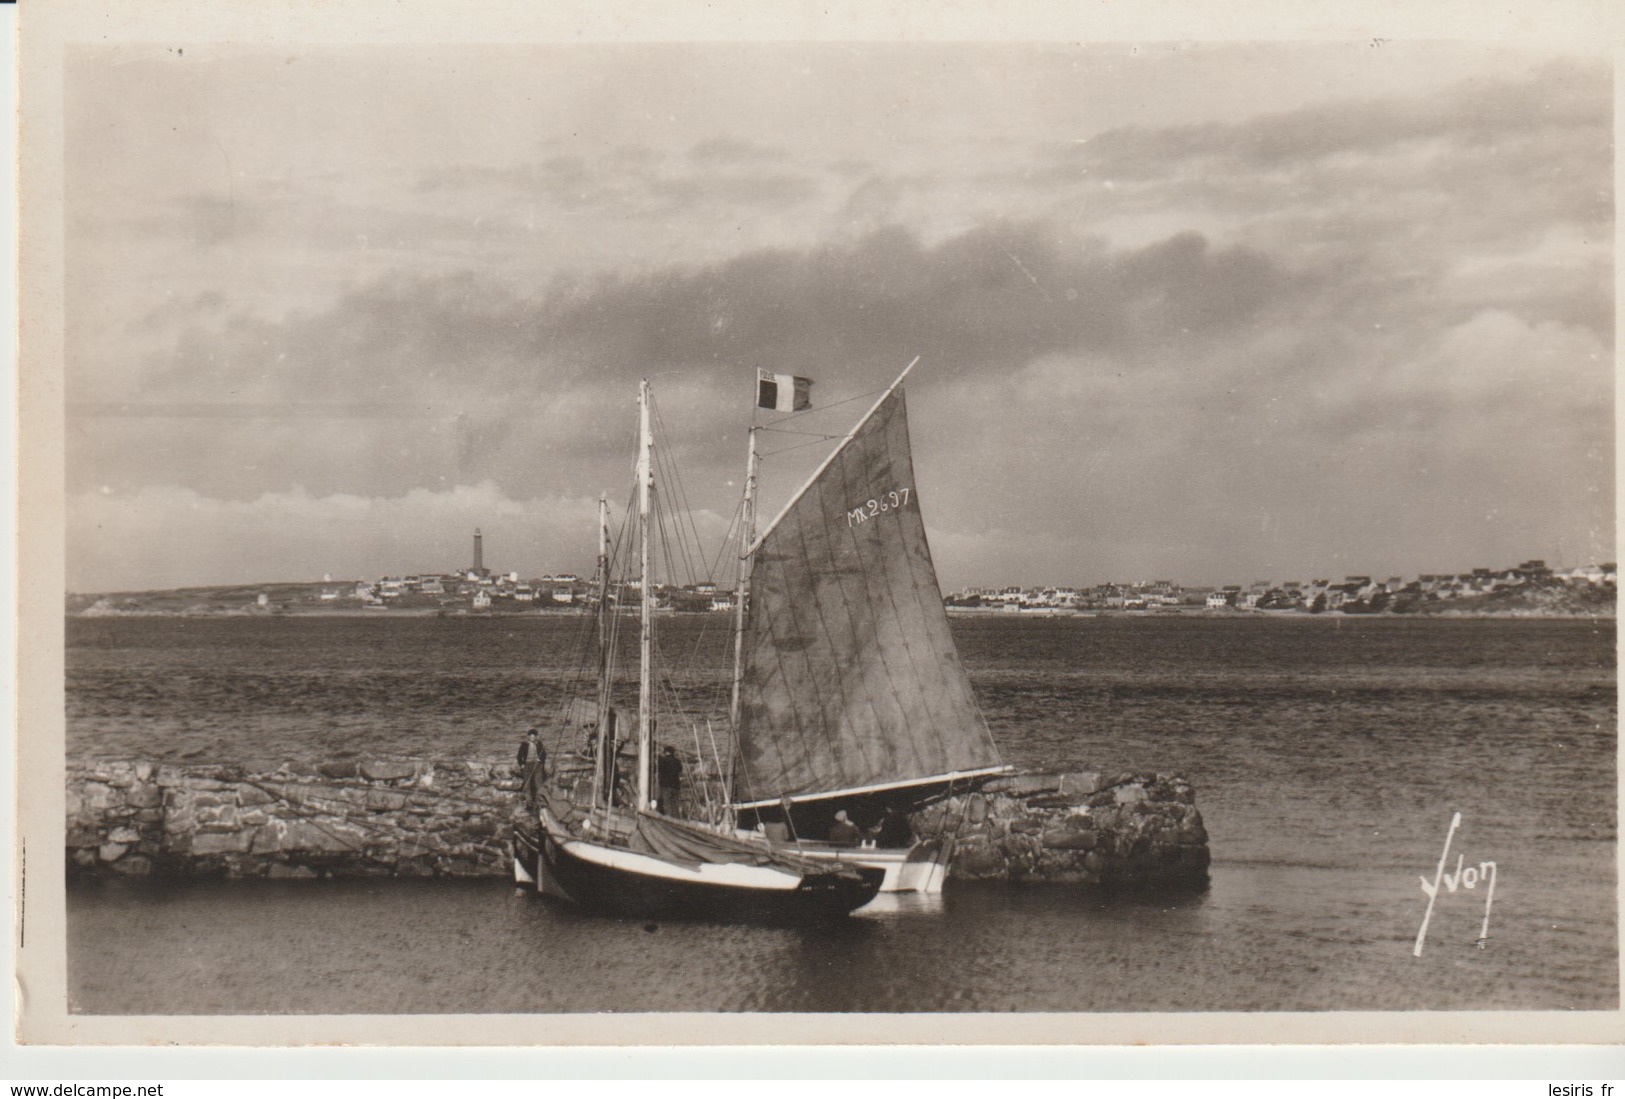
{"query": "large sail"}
[(850, 679)]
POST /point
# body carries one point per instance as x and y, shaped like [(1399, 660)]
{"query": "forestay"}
[(851, 680)]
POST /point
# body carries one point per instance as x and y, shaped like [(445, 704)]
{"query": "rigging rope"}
[(798, 446), (823, 408), (679, 491)]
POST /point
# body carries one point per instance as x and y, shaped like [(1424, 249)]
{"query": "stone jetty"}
[(453, 818), (387, 818), (1128, 829)]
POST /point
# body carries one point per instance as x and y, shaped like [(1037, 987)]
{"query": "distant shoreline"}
[(953, 612), (1248, 615), (337, 612)]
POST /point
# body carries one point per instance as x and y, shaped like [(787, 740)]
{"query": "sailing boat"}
[(634, 861), (849, 696)]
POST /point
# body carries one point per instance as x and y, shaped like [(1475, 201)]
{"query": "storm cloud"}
[(444, 380), (1217, 346)]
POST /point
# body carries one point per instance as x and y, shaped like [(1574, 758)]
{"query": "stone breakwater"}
[(1129, 829), (388, 818), (440, 818)]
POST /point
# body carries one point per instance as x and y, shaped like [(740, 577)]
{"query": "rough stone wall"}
[(410, 818), (423, 818), (1126, 830)]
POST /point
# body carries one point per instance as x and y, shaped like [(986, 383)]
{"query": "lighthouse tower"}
[(479, 554)]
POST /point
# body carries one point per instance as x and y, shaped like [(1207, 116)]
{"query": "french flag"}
[(783, 392)]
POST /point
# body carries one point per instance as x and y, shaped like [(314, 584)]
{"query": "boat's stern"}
[(840, 890)]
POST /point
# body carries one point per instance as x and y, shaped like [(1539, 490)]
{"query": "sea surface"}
[(1328, 755)]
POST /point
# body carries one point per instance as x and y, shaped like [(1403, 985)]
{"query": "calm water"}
[(1328, 756)]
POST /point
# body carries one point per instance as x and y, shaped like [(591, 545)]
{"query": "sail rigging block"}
[(850, 677)]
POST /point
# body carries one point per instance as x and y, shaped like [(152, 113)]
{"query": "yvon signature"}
[(1465, 877)]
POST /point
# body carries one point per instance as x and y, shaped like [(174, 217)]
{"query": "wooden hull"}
[(615, 881)]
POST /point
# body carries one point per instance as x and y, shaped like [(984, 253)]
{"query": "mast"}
[(747, 534), (646, 592), (604, 637)]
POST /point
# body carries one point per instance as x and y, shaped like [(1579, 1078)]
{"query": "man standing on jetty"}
[(532, 765)]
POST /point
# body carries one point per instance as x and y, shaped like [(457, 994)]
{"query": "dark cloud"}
[(643, 183), (852, 167), (550, 175), (872, 204), (634, 158), (990, 298), (207, 220), (181, 312), (732, 151), (1561, 97), (1417, 213), (451, 379), (777, 191), (1293, 338)]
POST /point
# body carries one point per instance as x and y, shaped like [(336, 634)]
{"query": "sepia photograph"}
[(751, 527)]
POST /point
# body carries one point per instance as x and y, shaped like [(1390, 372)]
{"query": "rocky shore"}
[(453, 818)]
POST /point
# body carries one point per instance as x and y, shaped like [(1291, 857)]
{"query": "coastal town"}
[(1350, 595), (1531, 587), (478, 589)]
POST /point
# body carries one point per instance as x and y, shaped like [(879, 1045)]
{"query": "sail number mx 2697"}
[(880, 505)]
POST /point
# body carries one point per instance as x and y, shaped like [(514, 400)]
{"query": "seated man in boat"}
[(893, 830), (844, 832)]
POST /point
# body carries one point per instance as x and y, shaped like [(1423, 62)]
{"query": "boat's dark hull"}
[(615, 890)]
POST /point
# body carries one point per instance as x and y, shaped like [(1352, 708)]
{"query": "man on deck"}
[(669, 774)]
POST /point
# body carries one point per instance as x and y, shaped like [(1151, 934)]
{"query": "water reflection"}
[(1263, 938), (892, 906)]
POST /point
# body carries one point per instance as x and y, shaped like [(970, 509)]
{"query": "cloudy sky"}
[(1214, 313)]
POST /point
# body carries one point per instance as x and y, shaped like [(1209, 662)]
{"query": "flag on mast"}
[(782, 392)]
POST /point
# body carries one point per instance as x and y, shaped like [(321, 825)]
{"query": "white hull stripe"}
[(706, 873), (817, 849), (952, 776)]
